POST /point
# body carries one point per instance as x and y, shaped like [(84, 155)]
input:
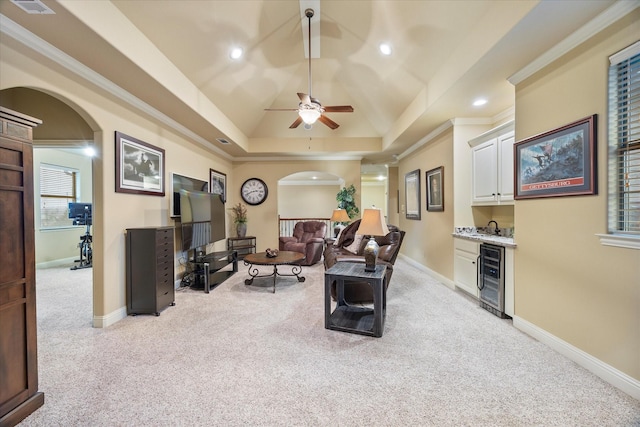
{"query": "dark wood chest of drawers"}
[(150, 269)]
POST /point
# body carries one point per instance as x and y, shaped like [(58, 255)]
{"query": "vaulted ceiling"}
[(173, 55)]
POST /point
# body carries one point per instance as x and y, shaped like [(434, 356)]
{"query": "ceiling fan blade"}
[(304, 98), (296, 123), (327, 121), (339, 109)]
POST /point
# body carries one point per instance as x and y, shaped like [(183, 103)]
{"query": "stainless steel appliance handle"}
[(479, 281)]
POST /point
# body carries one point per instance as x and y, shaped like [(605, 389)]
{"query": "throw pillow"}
[(353, 247), (335, 242)]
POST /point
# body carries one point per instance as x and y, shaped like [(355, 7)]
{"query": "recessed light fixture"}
[(89, 151), (385, 49), (236, 53), (479, 102)]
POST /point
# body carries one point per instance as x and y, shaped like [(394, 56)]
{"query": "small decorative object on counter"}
[(271, 253)]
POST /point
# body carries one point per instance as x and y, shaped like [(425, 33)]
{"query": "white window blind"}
[(624, 141), (57, 189)]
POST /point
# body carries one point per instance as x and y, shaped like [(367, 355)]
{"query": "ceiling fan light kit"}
[(310, 109)]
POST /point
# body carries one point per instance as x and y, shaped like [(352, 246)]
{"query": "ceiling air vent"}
[(223, 141), (33, 6)]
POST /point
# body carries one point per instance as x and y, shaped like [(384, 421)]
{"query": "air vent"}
[(33, 7), (223, 141)]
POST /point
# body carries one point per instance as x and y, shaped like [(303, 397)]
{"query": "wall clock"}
[(254, 191)]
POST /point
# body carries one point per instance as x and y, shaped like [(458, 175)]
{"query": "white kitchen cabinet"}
[(492, 167), (465, 265)]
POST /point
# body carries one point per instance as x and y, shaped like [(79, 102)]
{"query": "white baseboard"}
[(616, 378), (57, 263), (440, 278), (109, 319)]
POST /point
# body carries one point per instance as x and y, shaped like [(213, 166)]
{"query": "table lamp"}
[(339, 215), (372, 224)]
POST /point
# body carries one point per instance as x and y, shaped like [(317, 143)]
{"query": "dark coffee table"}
[(283, 258)]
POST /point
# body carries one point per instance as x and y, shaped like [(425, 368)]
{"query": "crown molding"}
[(431, 135), (617, 11), (30, 40)]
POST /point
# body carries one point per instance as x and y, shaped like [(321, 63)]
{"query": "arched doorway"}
[(60, 144)]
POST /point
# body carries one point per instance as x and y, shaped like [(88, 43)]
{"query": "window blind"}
[(57, 189), (624, 141)]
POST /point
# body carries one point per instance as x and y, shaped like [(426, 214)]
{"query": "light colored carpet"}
[(243, 356)]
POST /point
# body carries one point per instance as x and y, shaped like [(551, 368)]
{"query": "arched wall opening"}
[(61, 142)]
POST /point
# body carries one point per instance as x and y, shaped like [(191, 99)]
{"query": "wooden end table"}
[(351, 318), (283, 258)]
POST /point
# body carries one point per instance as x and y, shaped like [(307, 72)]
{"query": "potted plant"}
[(347, 201), (239, 212)]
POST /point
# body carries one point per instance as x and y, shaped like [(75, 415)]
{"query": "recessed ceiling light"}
[(479, 102), (385, 48), (89, 151), (236, 53)]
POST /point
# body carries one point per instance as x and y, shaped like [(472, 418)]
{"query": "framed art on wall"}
[(139, 166), (218, 184), (561, 162), (412, 194), (435, 189)]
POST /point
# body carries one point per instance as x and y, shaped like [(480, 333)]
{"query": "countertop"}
[(470, 233)]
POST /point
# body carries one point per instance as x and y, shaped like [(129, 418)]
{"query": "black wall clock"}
[(254, 191)]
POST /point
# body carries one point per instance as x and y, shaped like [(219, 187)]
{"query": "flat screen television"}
[(180, 182), (80, 213), (202, 216)]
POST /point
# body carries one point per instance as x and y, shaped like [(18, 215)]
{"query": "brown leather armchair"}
[(360, 292), (308, 239)]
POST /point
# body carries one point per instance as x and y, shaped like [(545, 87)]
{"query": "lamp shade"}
[(340, 215), (373, 223)]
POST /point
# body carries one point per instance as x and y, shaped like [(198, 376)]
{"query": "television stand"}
[(207, 268)]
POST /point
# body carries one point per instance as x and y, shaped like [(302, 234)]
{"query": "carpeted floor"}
[(243, 356)]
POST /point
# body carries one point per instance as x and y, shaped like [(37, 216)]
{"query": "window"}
[(57, 189), (624, 142)]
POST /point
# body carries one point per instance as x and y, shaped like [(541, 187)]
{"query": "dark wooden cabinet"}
[(19, 395), (150, 270)]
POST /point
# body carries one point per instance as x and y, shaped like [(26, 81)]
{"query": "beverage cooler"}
[(491, 278)]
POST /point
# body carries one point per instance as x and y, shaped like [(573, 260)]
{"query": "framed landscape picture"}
[(435, 189), (412, 194), (218, 184), (561, 162), (139, 166)]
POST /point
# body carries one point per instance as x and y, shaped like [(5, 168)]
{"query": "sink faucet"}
[(497, 232)]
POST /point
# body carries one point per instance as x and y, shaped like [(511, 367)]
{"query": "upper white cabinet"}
[(492, 167)]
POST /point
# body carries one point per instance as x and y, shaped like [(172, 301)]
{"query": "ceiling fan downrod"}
[(309, 14)]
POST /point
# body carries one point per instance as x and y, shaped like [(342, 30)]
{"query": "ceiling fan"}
[(310, 109)]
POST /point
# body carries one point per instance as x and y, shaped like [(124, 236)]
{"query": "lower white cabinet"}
[(465, 265)]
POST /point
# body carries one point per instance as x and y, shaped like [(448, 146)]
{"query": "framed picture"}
[(561, 162), (412, 194), (435, 189), (218, 184), (139, 166)]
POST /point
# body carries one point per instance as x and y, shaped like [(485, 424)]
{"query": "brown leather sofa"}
[(360, 292), (308, 239)]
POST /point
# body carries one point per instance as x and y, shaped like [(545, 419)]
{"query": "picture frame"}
[(435, 189), (218, 184), (561, 162), (412, 194), (139, 166)]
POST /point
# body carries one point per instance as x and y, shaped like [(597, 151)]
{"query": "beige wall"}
[(60, 243), (307, 201), (374, 194), (567, 283), (429, 241)]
